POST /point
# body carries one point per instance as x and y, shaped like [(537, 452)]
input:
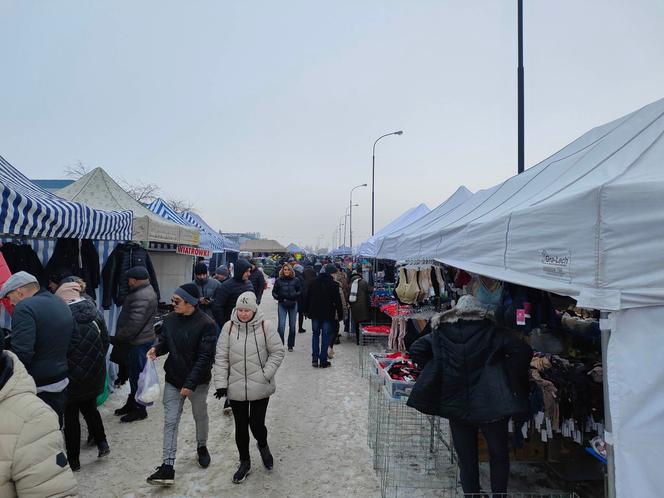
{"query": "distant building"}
[(52, 185), (241, 238)]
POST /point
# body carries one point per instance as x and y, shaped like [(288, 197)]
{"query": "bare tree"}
[(143, 192), (76, 170), (181, 205)]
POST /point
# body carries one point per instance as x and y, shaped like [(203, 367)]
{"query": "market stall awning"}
[(28, 210), (216, 241), (342, 251), (98, 190), (369, 248), (262, 245), (160, 207)]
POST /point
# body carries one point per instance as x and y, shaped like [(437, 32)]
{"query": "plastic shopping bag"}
[(148, 390), (103, 396)]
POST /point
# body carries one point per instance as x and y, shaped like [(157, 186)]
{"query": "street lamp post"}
[(346, 217), (373, 171), (350, 204)]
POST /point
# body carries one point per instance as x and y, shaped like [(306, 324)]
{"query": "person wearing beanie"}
[(33, 458), (188, 336), (323, 304), (206, 287), (221, 274), (227, 293), (42, 327), (287, 291), (87, 372), (248, 354), (134, 336)]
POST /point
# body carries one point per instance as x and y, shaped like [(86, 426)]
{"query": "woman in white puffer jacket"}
[(249, 352)]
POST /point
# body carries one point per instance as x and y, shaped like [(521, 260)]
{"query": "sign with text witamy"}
[(194, 251)]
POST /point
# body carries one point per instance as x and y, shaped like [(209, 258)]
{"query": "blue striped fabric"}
[(28, 210), (209, 235), (159, 206)]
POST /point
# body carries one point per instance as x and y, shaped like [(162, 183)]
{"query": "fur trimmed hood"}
[(468, 308)]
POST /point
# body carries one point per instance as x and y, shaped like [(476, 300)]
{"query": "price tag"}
[(520, 317)]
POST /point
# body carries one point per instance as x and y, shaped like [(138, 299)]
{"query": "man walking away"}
[(257, 279), (42, 326), (135, 332), (299, 274), (225, 296), (188, 336), (31, 446), (324, 306), (206, 287)]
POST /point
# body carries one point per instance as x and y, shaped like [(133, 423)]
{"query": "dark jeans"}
[(92, 418), (291, 313), (321, 333), (57, 402), (136, 361), (300, 321), (464, 436), (249, 414)]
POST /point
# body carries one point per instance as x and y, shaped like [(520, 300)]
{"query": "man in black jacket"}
[(323, 303), (225, 296), (475, 373), (42, 326), (188, 336), (257, 280), (206, 287), (135, 332)]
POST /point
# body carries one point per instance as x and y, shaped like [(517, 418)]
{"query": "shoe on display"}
[(242, 472), (266, 455), (203, 457), (134, 415), (104, 449), (165, 476)]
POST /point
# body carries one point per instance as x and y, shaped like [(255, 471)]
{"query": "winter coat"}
[(207, 290), (87, 352), (257, 279), (339, 278), (308, 277), (116, 285), (473, 370), (42, 327), (189, 341), (248, 356), (360, 309), (32, 458), (135, 323), (287, 290), (23, 258), (225, 296), (323, 299), (76, 257)]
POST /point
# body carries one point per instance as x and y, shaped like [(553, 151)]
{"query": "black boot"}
[(268, 460), (103, 448), (242, 472), (138, 413), (128, 406), (164, 476), (203, 457)]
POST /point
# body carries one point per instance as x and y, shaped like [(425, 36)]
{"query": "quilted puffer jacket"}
[(248, 355), (87, 352), (135, 321), (32, 459), (124, 257)]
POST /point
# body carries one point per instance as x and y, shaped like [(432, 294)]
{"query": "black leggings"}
[(91, 415), (464, 436), (249, 414)]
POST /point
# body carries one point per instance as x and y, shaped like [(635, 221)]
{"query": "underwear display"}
[(407, 291)]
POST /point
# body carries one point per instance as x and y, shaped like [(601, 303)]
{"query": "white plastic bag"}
[(148, 390)]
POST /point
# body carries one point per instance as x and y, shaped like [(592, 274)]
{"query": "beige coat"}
[(32, 455), (248, 356)]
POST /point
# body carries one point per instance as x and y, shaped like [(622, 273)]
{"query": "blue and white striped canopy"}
[(159, 206), (28, 210), (216, 241)]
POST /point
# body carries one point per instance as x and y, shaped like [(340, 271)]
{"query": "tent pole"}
[(520, 89), (610, 483)]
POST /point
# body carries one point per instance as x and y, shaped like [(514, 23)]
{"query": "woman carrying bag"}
[(249, 352)]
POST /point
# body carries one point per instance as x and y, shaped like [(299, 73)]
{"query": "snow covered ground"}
[(317, 423)]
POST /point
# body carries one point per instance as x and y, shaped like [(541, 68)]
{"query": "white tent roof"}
[(368, 249), (98, 190), (586, 222)]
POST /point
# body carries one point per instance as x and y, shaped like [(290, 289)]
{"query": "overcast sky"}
[(263, 113)]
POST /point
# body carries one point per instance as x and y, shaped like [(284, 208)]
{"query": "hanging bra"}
[(424, 282), (407, 291)]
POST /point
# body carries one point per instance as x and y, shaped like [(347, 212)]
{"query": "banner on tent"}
[(194, 251)]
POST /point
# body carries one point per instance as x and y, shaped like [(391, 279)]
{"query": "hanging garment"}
[(424, 283), (23, 258), (5, 273), (123, 257), (407, 291), (439, 280), (75, 257)]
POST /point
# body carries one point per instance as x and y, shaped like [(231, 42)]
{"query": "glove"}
[(220, 393)]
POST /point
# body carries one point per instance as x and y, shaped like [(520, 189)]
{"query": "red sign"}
[(194, 251)]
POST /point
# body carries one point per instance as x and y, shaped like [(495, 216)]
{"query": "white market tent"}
[(369, 248), (587, 222), (97, 189)]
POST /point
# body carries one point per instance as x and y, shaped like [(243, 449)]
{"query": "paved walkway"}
[(317, 433)]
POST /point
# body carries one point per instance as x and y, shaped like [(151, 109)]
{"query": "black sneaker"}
[(75, 464), (314, 364), (242, 472), (134, 415), (290, 350), (302, 331), (103, 449), (129, 405), (268, 460), (203, 457), (327, 365), (165, 476)]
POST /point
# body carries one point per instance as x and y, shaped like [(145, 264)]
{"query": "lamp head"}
[(400, 132)]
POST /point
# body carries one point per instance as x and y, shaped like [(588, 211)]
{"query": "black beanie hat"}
[(200, 268), (241, 266), (138, 272), (189, 292)]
